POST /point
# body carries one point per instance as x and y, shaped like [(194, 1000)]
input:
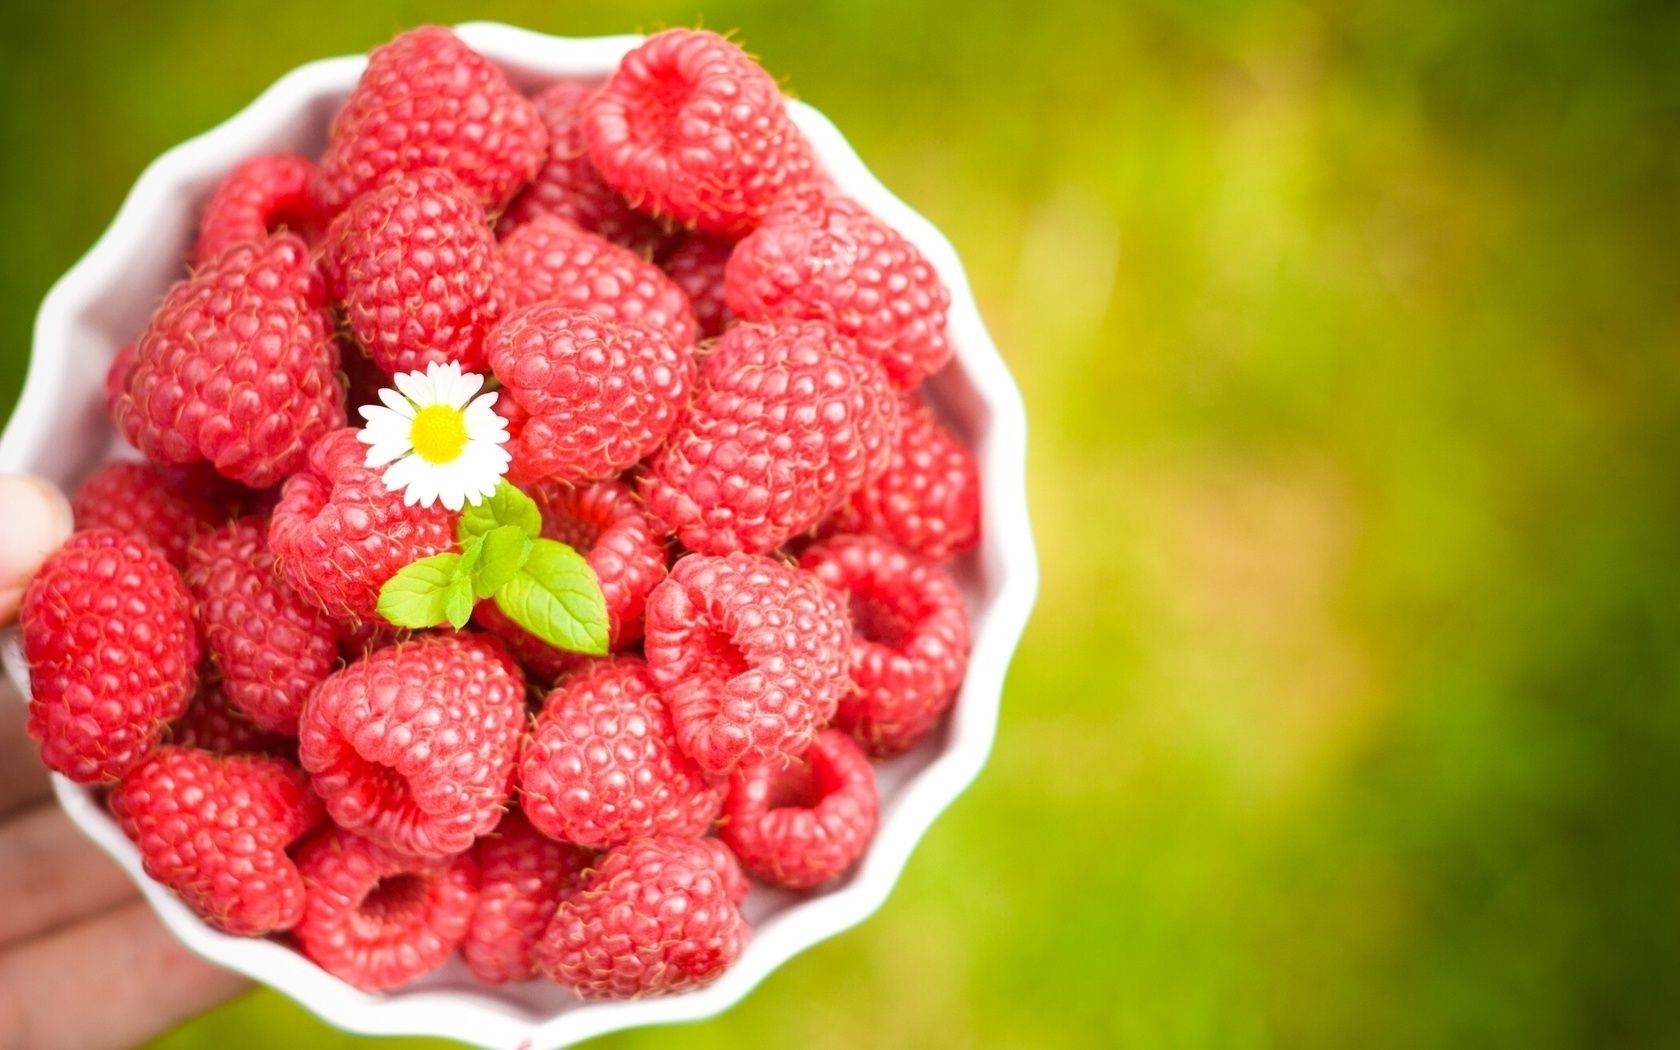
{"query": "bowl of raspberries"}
[(550, 534)]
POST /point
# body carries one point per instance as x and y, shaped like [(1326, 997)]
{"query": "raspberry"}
[(414, 745), (339, 533), (427, 100), (113, 657), (799, 826), (116, 375), (376, 918), (214, 829), (237, 366), (833, 261), (414, 265), (654, 916), (165, 506), (749, 654), (270, 646), (691, 128), (212, 724), (697, 264), (602, 767), (928, 498), (523, 877), (599, 395), (910, 639), (735, 882), (263, 195), (624, 547), (786, 423), (551, 259), (568, 184)]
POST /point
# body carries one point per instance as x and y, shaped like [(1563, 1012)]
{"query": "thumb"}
[(34, 520)]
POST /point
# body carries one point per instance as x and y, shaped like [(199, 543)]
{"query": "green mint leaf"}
[(505, 549), (556, 597), (471, 551), (417, 594), (506, 506), (458, 601)]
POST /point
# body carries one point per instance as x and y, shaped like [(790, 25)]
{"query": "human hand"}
[(84, 962)]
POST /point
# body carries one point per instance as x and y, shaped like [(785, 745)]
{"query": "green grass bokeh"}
[(1350, 337)]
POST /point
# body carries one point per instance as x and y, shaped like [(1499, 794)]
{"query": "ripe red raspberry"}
[(910, 639), (697, 264), (599, 394), (928, 498), (799, 826), (376, 918), (339, 533), (270, 646), (429, 101), (568, 184), (749, 654), (165, 506), (689, 127), (263, 195), (212, 724), (113, 657), (523, 877), (551, 259), (830, 260), (214, 829), (601, 766), (116, 375), (787, 421), (414, 745), (238, 366), (655, 916), (735, 882), (623, 545), (414, 265)]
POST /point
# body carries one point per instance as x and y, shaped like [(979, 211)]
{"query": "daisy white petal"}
[(416, 387), (402, 406)]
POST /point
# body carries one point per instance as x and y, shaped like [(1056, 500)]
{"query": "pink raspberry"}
[(697, 265), (165, 506), (691, 128), (601, 766), (117, 374), (552, 259), (214, 725), (414, 265), (414, 745), (263, 195), (523, 877), (749, 654), (910, 639), (786, 423), (214, 829), (376, 918), (623, 545), (427, 100), (238, 366), (113, 656), (270, 646), (339, 533), (598, 395), (799, 826), (655, 916), (568, 184), (833, 261), (928, 498)]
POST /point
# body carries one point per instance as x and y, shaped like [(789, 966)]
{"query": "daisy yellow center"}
[(438, 433)]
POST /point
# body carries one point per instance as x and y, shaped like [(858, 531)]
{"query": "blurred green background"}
[(1350, 714)]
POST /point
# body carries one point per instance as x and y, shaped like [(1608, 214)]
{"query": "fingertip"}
[(37, 519)]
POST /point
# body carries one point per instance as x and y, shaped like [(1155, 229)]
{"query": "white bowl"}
[(59, 430)]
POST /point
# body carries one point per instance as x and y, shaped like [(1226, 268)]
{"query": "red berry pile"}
[(707, 358)]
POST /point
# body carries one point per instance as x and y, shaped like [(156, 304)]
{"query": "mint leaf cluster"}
[(542, 585)]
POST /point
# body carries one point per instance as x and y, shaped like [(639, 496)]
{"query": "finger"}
[(37, 520), (46, 862), (113, 981), (23, 780)]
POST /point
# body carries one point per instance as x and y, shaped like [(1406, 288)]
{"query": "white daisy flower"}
[(441, 442)]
